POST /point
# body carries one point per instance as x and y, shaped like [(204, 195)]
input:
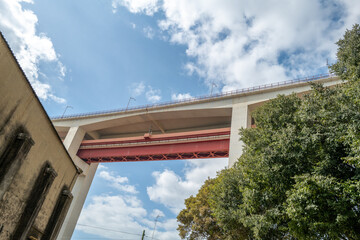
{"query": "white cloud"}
[(137, 89), (116, 179), (137, 6), (157, 213), (118, 182), (171, 190), (181, 96), (55, 98), (102, 167), (133, 25), (62, 69), (239, 43), (149, 32), (123, 214), (19, 28), (153, 95), (125, 217), (117, 212)]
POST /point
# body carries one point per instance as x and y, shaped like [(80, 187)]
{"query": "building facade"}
[(36, 172)]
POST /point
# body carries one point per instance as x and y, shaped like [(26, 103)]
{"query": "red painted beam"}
[(209, 146), (177, 156), (159, 137), (199, 144)]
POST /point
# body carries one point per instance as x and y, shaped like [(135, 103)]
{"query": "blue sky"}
[(95, 55), (111, 54)]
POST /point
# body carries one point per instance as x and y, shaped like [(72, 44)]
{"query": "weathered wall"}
[(20, 108)]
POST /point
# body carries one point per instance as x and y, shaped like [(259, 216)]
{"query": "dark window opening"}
[(253, 125), (12, 157), (58, 215), (34, 201)]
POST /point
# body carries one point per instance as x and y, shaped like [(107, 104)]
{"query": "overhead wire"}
[(113, 230)]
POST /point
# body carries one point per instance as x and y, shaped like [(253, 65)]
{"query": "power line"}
[(103, 238), (108, 229), (156, 219), (113, 230)]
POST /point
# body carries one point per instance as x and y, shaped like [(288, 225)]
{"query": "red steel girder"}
[(187, 150), (178, 156), (213, 143), (159, 137)]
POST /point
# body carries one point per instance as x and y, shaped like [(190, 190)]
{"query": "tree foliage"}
[(299, 174), (348, 54), (224, 198), (196, 220)]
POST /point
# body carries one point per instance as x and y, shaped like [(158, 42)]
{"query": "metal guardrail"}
[(213, 96)]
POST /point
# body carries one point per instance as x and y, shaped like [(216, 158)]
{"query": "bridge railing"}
[(212, 96)]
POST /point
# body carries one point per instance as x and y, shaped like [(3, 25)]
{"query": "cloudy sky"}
[(93, 55)]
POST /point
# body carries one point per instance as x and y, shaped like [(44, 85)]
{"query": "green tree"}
[(321, 207), (196, 220), (224, 198), (348, 55)]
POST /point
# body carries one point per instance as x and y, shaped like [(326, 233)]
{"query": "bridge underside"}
[(212, 143)]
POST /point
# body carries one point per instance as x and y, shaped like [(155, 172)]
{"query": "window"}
[(58, 214), (12, 157), (34, 201)]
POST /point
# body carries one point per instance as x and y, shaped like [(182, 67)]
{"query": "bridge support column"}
[(82, 185), (240, 118), (80, 191)]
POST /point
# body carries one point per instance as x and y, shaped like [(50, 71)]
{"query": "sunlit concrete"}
[(72, 142)]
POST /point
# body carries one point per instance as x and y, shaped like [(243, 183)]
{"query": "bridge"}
[(204, 127)]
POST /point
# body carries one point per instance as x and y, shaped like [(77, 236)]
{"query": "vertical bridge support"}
[(82, 185), (240, 118)]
